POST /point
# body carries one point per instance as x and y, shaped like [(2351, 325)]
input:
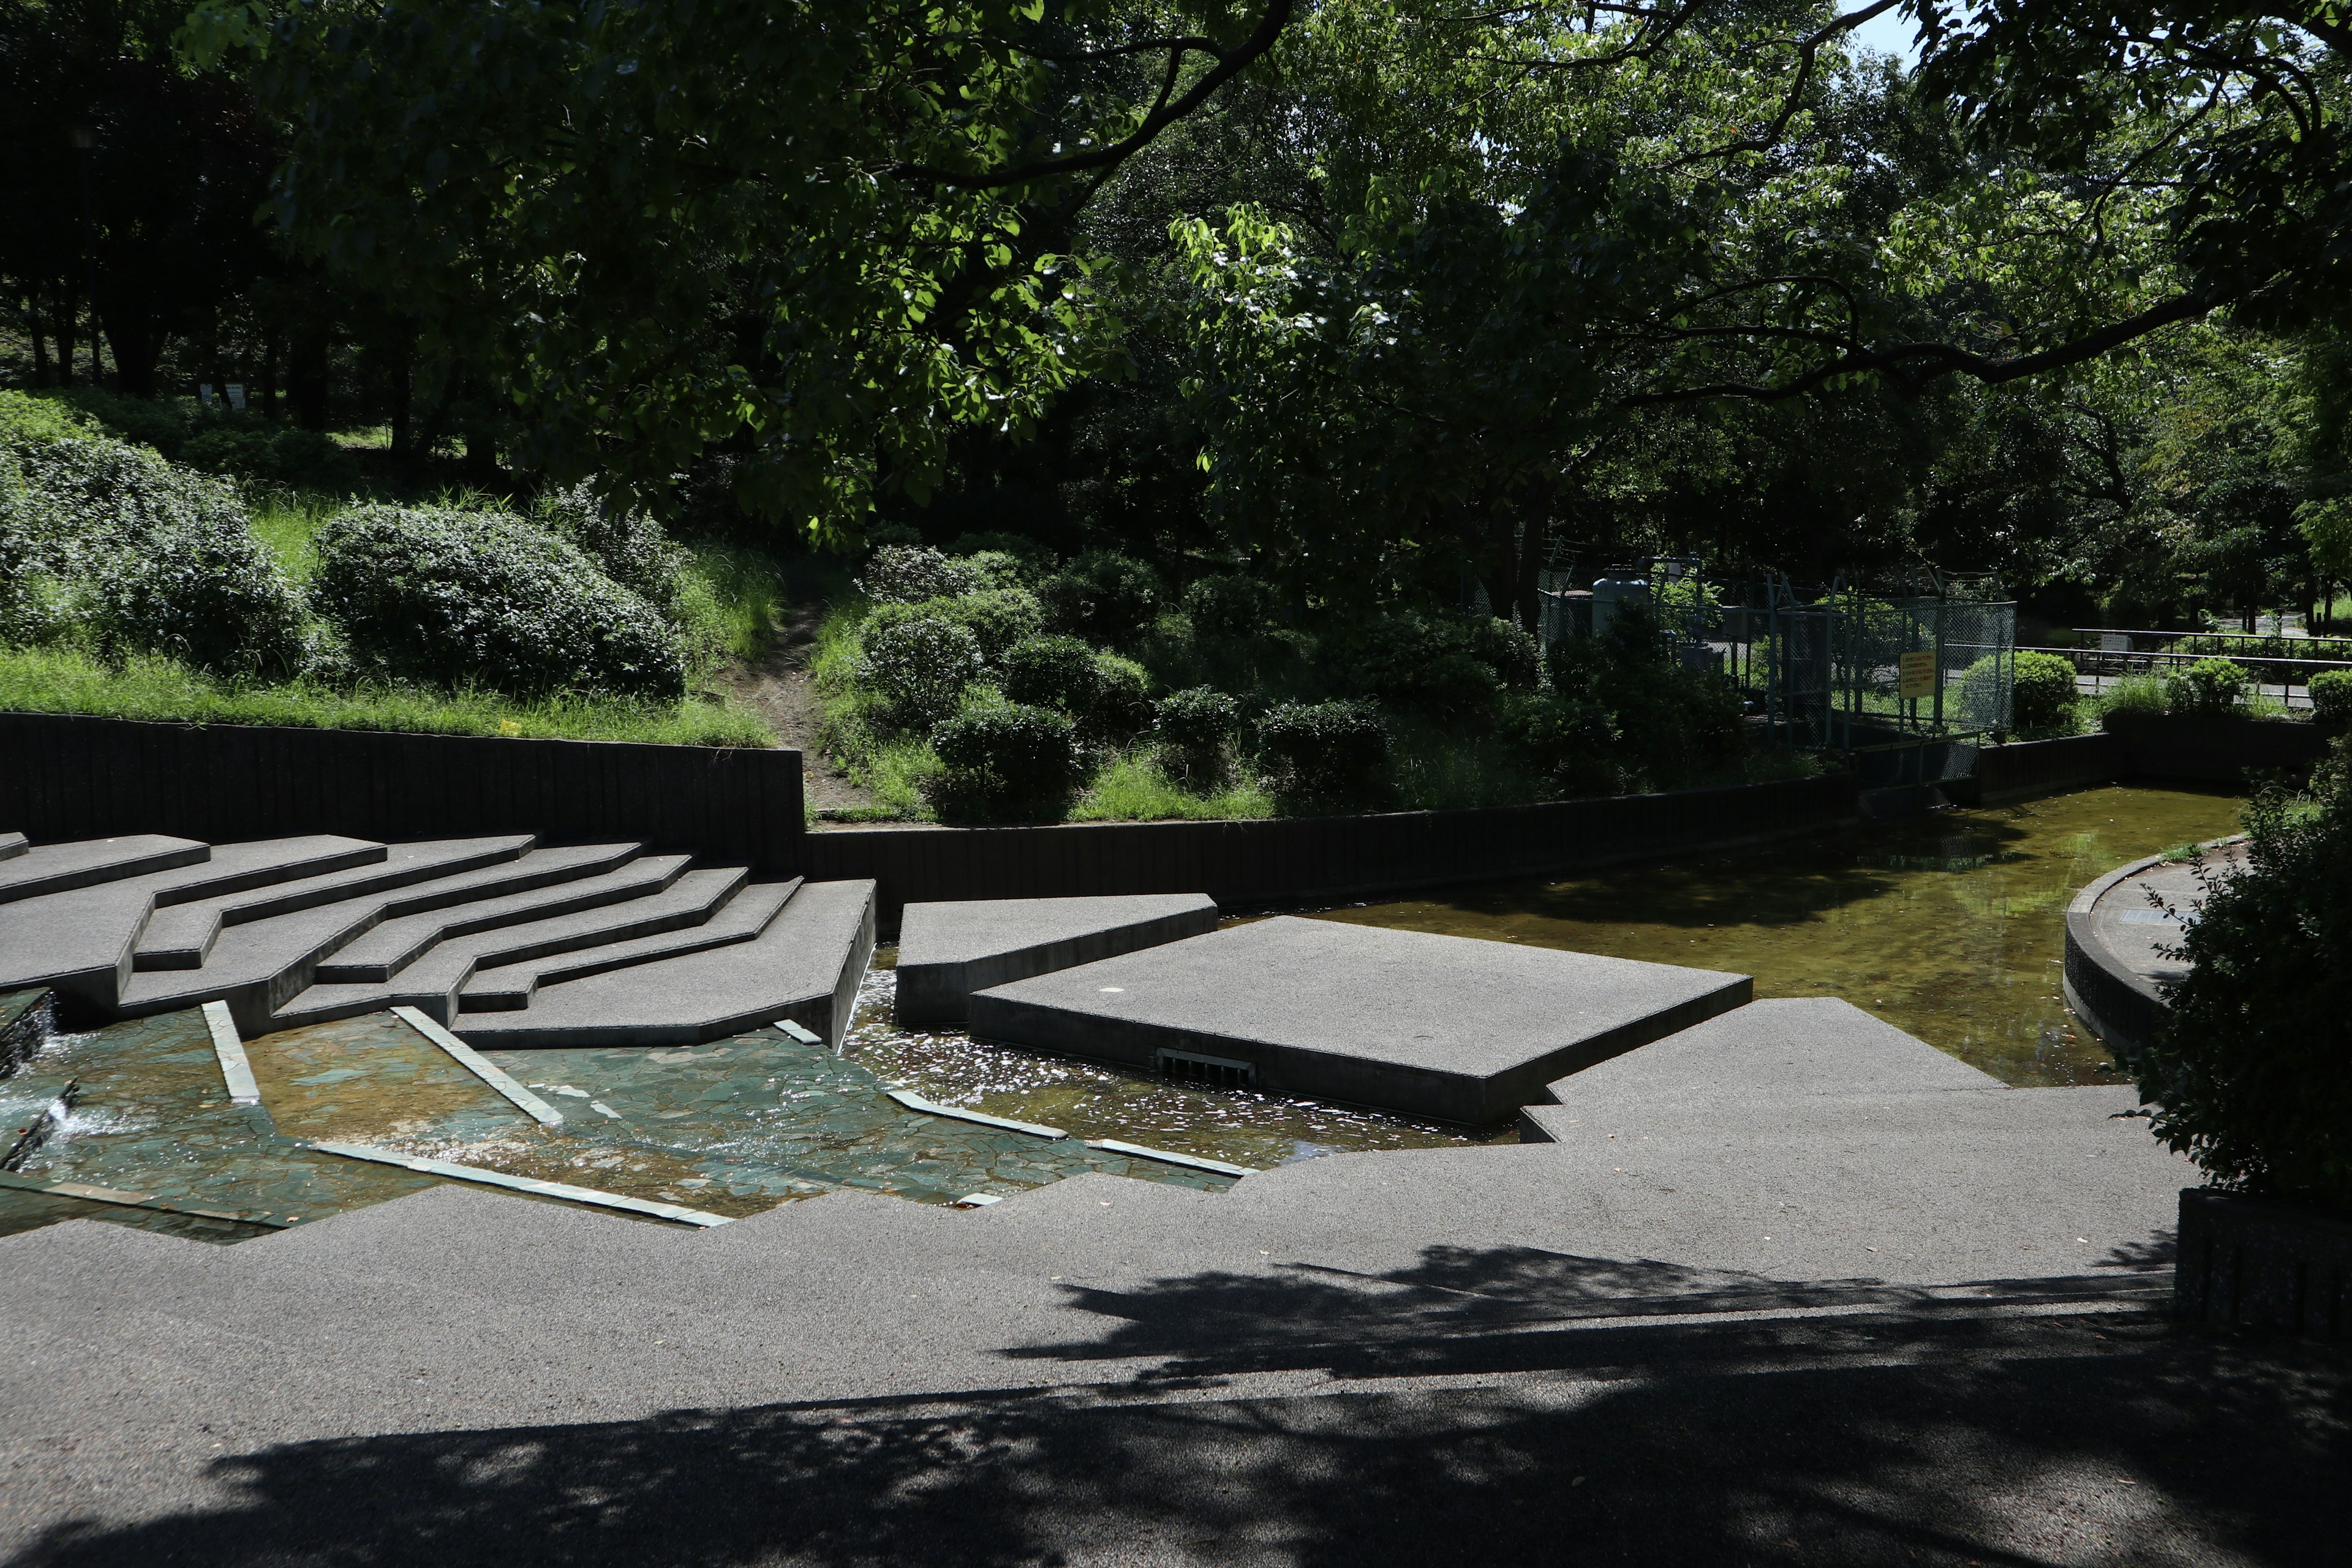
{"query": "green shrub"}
[(1122, 700), (460, 598), (1229, 608), (158, 559), (997, 569), (159, 423), (1052, 672), (1675, 724), (203, 591), (920, 667), (1417, 659), (1569, 743), (1032, 558), (1008, 761), (2041, 692), (2252, 1077), (2208, 686), (1508, 648), (629, 545), (1323, 749), (1193, 727), (1103, 596), (2331, 696), (999, 619), (302, 459), (909, 574), (25, 417)]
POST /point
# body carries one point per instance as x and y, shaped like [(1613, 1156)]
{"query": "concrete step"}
[(604, 874), (79, 941), (183, 936), (509, 987), (13, 844), (431, 984), (805, 966), (30, 873), (257, 966)]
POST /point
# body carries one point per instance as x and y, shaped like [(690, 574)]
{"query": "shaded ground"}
[(2114, 1438), (775, 685)]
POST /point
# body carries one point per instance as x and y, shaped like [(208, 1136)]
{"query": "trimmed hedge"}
[(1005, 761), (1323, 749), (459, 598), (921, 665)]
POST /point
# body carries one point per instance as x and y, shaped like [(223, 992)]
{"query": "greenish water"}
[(1950, 926)]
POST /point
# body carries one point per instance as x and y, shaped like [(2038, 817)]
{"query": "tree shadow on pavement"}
[(1438, 1416)]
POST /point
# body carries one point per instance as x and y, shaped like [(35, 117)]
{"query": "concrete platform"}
[(81, 940), (805, 966), (947, 951), (1448, 1027), (28, 872)]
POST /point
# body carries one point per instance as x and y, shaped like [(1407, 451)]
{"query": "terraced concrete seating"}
[(596, 942), (13, 844)]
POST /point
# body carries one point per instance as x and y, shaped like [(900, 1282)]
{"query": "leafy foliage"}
[(2041, 691), (2208, 685), (827, 235), (462, 598), (1194, 726), (2331, 696), (628, 544), (1102, 595), (921, 666), (909, 574), (152, 557), (1007, 760), (1323, 750), (2253, 1074)]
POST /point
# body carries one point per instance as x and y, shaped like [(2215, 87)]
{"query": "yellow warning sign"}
[(1918, 674)]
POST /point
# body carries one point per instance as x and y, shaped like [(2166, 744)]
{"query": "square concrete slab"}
[(1449, 1027), (946, 952)]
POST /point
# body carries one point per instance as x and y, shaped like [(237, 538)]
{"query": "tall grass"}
[(1133, 789), (64, 680)]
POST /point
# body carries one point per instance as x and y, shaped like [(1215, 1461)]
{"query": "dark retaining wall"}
[(2220, 748), (2263, 1265), (1311, 860), (69, 777), (2044, 767)]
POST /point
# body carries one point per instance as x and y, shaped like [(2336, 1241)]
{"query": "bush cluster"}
[(1102, 596), (2208, 685), (2253, 1074), (1230, 608), (1193, 728), (909, 574), (2331, 696), (1441, 664), (152, 558), (2041, 693), (1109, 697), (629, 545), (920, 664), (1670, 724), (461, 598), (1001, 760), (1323, 750), (264, 455)]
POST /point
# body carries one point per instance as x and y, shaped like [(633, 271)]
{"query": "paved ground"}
[(1840, 1330)]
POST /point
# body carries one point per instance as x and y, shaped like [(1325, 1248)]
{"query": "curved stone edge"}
[(2122, 1007)]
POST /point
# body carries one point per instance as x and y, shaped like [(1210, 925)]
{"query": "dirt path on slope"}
[(776, 686)]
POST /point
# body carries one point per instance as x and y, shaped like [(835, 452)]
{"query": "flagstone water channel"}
[(1948, 926)]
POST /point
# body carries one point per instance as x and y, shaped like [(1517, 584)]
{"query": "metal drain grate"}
[(1190, 1067)]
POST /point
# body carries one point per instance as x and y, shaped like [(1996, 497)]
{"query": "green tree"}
[(823, 235)]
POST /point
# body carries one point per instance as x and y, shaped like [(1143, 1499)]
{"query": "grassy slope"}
[(731, 606)]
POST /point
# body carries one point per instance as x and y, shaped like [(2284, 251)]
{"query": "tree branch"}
[(1230, 64), (1914, 365)]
